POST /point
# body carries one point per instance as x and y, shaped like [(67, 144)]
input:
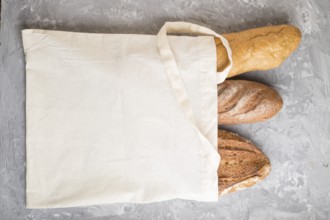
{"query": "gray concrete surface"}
[(297, 141)]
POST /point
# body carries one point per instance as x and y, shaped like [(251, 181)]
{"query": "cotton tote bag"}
[(121, 117)]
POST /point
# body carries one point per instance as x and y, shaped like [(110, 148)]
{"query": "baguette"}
[(242, 164), (241, 101), (258, 49)]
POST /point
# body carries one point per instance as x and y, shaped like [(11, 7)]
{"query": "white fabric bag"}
[(121, 117)]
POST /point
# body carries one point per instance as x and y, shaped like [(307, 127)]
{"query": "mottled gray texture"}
[(297, 141)]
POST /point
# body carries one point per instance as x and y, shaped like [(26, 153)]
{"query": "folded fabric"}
[(121, 117)]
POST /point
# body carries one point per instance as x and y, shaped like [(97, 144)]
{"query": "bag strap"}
[(171, 66), (175, 77)]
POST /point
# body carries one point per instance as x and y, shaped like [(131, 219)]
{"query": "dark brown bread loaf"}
[(242, 164), (258, 49), (241, 101)]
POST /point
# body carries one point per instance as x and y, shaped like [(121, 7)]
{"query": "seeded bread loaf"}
[(242, 164), (258, 49)]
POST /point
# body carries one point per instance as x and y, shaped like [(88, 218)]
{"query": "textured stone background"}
[(297, 140)]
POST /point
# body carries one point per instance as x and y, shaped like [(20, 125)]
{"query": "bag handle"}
[(171, 66), (176, 81)]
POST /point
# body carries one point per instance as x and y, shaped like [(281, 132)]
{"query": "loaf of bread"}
[(241, 101), (242, 164), (258, 49)]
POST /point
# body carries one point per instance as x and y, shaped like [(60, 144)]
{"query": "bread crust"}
[(241, 101), (258, 49), (242, 163)]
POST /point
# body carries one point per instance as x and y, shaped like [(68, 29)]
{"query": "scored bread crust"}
[(242, 164), (241, 101), (258, 49)]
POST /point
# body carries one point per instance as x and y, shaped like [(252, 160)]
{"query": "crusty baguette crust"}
[(258, 49), (242, 164), (241, 101)]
